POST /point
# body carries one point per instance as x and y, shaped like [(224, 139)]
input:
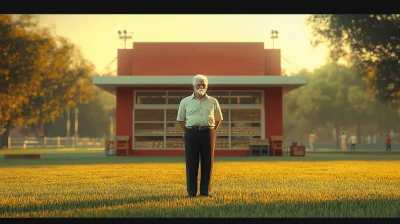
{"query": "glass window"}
[(240, 128), (225, 114), (242, 142), (149, 128), (149, 115), (245, 97), (222, 97), (176, 97), (223, 129), (175, 142), (246, 115), (151, 97), (174, 129), (149, 142), (172, 114), (222, 142)]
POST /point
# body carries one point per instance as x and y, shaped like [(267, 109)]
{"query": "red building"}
[(154, 77)]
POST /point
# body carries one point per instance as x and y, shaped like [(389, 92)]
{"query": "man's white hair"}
[(200, 77)]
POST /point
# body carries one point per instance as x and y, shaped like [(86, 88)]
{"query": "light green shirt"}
[(196, 112)]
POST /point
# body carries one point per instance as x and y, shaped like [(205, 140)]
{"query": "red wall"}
[(124, 110), (194, 58), (199, 58), (125, 62), (272, 62), (273, 111)]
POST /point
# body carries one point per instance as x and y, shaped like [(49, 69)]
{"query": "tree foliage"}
[(370, 41), (94, 118), (40, 74), (334, 95)]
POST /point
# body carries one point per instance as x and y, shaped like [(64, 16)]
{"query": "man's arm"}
[(181, 117), (218, 115)]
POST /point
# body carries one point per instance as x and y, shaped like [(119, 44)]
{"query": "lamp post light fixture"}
[(274, 35), (123, 35)]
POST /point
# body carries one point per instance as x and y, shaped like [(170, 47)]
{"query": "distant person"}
[(368, 139), (343, 140), (311, 140), (388, 143), (353, 142)]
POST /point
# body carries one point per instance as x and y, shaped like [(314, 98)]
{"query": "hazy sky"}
[(97, 35)]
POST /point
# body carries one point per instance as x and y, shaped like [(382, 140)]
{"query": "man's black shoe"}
[(206, 195)]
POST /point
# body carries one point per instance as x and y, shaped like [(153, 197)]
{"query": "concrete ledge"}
[(22, 156)]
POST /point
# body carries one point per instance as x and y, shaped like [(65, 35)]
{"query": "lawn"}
[(318, 185)]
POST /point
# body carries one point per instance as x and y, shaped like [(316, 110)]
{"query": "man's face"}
[(200, 84)]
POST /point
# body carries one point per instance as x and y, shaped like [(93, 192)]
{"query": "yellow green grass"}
[(320, 186)]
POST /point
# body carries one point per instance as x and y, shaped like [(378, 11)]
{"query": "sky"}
[(97, 35)]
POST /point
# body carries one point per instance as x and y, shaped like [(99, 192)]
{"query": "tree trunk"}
[(38, 129), (34, 129), (337, 130), (45, 129), (358, 129), (4, 137)]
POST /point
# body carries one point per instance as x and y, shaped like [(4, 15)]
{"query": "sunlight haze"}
[(97, 36)]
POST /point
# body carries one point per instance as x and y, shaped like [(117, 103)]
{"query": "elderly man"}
[(199, 116)]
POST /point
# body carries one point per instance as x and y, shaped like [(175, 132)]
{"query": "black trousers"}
[(388, 147), (199, 144), (353, 147)]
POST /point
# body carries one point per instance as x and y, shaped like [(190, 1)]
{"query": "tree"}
[(372, 41), (292, 123), (44, 74), (65, 85), (94, 117), (20, 49), (332, 95)]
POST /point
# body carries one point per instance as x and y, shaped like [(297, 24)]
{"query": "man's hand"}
[(217, 124), (182, 124)]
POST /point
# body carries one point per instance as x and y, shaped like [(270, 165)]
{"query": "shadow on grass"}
[(179, 206), (79, 159)]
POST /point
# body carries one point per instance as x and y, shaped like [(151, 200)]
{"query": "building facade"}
[(154, 77)]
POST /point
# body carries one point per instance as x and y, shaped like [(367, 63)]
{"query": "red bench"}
[(22, 156)]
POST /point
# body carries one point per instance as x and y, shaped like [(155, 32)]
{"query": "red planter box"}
[(276, 152), (299, 150)]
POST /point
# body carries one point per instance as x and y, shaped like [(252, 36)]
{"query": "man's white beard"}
[(201, 91)]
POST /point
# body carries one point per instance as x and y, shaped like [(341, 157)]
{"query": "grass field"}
[(318, 185)]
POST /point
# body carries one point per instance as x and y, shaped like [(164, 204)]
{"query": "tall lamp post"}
[(274, 35), (76, 124), (69, 124), (123, 35)]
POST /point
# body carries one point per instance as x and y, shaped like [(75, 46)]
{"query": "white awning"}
[(109, 83)]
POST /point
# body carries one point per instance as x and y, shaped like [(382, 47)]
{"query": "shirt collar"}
[(193, 96)]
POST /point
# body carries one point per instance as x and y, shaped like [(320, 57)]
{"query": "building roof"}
[(109, 83)]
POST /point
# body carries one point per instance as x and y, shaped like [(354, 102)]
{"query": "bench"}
[(22, 156)]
